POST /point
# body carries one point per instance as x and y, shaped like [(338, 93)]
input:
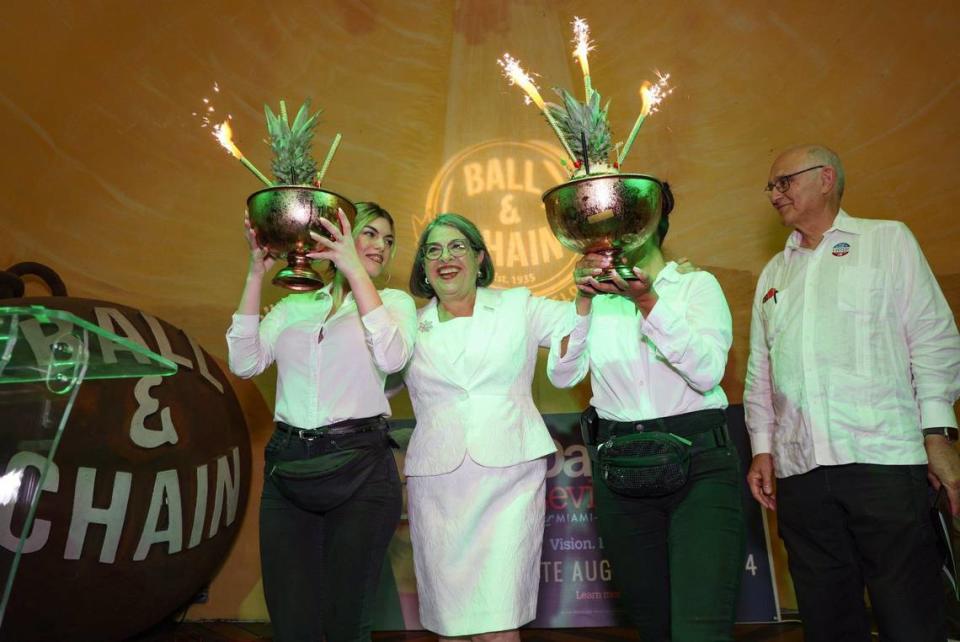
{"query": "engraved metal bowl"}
[(605, 214), (283, 217)]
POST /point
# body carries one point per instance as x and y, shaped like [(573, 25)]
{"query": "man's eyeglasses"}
[(782, 183), (455, 248)]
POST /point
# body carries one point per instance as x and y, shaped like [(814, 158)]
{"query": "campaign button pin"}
[(841, 249)]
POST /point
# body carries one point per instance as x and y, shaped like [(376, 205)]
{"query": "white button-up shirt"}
[(853, 350), (331, 369), (666, 364)]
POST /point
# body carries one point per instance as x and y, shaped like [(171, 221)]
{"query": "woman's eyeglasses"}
[(455, 248)]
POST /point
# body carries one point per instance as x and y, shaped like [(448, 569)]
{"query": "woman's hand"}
[(685, 266), (585, 275), (639, 290), (340, 249), (260, 259), (260, 264)]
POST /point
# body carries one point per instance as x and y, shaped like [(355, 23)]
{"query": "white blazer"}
[(487, 410)]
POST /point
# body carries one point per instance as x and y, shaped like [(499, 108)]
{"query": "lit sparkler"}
[(581, 38), (224, 135), (517, 76), (651, 94)]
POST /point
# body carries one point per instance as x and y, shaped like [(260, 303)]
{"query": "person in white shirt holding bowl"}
[(331, 495), (666, 477)]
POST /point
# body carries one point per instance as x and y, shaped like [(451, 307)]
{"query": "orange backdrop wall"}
[(109, 177)]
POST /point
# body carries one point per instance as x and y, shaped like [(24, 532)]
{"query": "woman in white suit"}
[(475, 466)]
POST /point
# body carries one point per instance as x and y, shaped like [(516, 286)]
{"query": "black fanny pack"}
[(323, 482), (646, 464), (650, 458)]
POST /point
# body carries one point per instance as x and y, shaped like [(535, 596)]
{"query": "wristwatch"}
[(950, 433)]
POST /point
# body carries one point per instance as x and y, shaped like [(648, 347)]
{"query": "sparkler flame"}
[(653, 94), (223, 132), (224, 135), (517, 76), (581, 40)]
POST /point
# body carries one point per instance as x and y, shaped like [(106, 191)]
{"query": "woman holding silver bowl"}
[(656, 350), (476, 463), (331, 495)]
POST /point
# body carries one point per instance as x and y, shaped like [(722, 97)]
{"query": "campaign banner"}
[(576, 587), (577, 583), (758, 594)]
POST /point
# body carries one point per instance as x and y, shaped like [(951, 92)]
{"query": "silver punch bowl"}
[(283, 217), (606, 213)]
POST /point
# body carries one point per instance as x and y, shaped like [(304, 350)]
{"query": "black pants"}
[(321, 570), (846, 527), (677, 560)]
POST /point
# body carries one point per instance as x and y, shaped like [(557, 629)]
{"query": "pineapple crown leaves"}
[(292, 162), (574, 118)]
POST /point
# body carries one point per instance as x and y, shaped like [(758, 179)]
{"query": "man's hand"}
[(761, 480), (943, 468)]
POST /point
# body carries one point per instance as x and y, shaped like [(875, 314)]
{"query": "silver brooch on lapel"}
[(425, 326)]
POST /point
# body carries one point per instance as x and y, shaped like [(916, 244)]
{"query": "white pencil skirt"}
[(477, 536)]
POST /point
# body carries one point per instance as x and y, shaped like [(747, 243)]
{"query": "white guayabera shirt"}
[(853, 350), (331, 369), (666, 364)]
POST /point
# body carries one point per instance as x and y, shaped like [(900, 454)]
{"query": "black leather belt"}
[(345, 427)]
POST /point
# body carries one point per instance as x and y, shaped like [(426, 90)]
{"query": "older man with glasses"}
[(853, 372)]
